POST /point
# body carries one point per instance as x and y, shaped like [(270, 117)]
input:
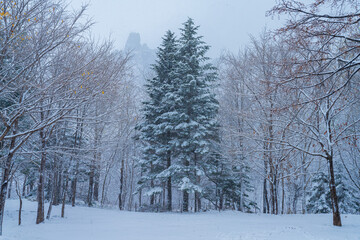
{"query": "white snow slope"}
[(82, 223)]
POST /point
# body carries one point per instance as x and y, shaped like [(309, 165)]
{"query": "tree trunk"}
[(276, 195), (140, 198), (91, 185), (96, 188), (283, 194), (40, 192), (51, 200), (272, 170), (78, 141), (241, 199), (94, 168), (197, 197), (24, 186), (185, 205), (152, 197), (121, 207), (73, 191), (266, 206), (5, 176), (20, 209), (73, 185), (169, 195), (303, 199), (272, 196), (4, 183), (334, 197), (10, 187), (131, 184), (57, 190), (196, 201), (97, 180), (221, 200), (103, 190), (17, 189), (199, 203), (64, 196), (50, 206), (168, 184)]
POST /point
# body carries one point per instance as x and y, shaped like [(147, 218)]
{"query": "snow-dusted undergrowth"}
[(82, 223)]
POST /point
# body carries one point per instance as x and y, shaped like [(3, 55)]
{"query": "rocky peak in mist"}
[(143, 56), (133, 42)]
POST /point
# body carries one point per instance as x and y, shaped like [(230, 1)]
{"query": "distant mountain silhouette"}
[(133, 42), (143, 56)]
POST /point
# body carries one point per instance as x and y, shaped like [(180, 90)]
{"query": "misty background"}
[(225, 24)]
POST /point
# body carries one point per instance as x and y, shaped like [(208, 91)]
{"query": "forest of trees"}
[(270, 129)]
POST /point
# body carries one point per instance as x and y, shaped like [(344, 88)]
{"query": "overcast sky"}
[(225, 24)]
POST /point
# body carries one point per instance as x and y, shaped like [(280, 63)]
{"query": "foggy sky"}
[(225, 24)]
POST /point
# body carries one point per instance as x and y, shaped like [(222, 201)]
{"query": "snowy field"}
[(82, 223)]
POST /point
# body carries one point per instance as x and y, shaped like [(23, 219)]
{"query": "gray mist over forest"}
[(225, 24)]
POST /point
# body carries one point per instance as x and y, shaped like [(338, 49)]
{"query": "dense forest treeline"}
[(271, 129)]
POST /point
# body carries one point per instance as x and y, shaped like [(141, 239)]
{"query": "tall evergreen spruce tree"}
[(157, 128), (179, 124), (166, 70), (196, 108)]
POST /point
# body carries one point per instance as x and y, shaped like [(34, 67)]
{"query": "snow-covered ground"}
[(82, 223)]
